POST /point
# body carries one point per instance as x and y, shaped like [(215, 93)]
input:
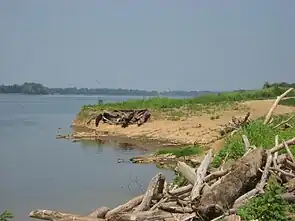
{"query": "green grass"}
[(288, 102), (268, 206), (174, 106), (6, 216), (170, 103), (258, 134), (180, 152)]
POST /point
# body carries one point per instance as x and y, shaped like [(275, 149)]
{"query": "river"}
[(38, 171)]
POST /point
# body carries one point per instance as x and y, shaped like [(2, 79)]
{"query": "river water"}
[(37, 171)]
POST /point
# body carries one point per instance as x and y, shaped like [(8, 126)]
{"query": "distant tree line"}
[(281, 84), (39, 89)]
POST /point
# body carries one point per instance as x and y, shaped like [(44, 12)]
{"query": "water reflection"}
[(92, 146)]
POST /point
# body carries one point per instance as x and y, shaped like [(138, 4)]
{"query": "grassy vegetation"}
[(6, 216), (180, 152), (258, 134), (176, 109), (164, 102), (269, 206), (288, 102)]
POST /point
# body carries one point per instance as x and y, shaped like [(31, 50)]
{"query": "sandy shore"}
[(193, 130)]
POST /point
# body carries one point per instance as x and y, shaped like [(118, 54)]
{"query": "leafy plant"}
[(267, 207), (6, 216)]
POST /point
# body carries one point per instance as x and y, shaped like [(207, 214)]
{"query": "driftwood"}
[(241, 179), (99, 212), (125, 207), (122, 117), (54, 215), (235, 124), (155, 187), (212, 194), (201, 172), (275, 104)]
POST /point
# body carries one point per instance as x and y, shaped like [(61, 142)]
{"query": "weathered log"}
[(188, 172), (125, 207), (181, 190), (175, 208), (151, 190), (290, 197), (282, 145), (54, 215), (141, 216), (275, 104), (201, 172), (155, 215), (259, 187), (243, 177), (99, 212), (216, 175)]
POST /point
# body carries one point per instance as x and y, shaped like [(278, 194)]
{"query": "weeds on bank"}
[(288, 102), (258, 134), (6, 216), (208, 103), (269, 206), (180, 152)]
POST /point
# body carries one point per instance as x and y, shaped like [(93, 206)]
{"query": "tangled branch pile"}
[(122, 117), (235, 124), (210, 194)]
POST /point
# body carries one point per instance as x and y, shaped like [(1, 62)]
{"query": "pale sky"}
[(148, 44)]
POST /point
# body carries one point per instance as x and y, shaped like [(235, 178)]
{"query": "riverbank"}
[(198, 128)]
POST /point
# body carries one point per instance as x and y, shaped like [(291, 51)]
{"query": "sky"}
[(151, 45)]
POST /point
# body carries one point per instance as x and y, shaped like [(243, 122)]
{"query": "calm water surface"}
[(39, 171)]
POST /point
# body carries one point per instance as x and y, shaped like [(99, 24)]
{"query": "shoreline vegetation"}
[(186, 121), (251, 176)]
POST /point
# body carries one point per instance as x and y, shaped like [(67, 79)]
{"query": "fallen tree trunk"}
[(156, 186), (156, 215), (187, 171), (125, 207), (243, 177), (54, 215), (201, 172), (275, 104)]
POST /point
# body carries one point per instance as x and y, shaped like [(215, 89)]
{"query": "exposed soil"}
[(193, 130)]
